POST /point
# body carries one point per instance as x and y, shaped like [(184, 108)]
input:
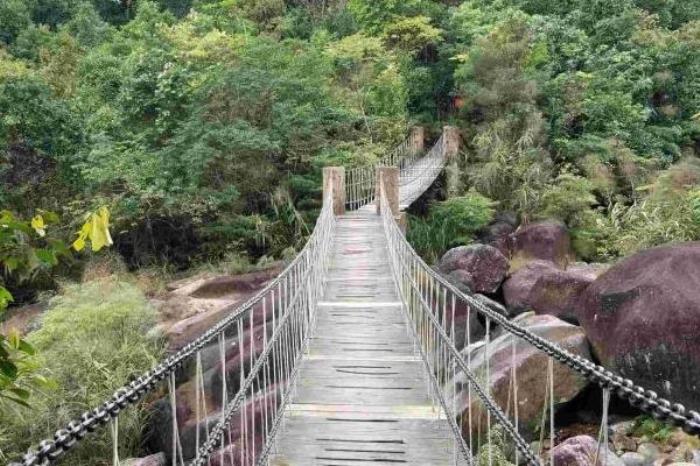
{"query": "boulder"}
[(621, 438), (583, 450), (499, 232), (486, 265), (649, 451), (530, 368), (548, 241), (589, 271), (545, 289), (25, 319), (632, 458), (153, 460), (159, 429), (474, 328), (244, 283), (199, 303), (642, 318), (209, 284), (462, 279)]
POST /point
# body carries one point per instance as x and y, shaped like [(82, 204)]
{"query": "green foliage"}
[(93, 338), (87, 26), (36, 120), (666, 212), (18, 375), (570, 108), (412, 34), (373, 15), (647, 426), (450, 223), (25, 248), (494, 452), (14, 18)]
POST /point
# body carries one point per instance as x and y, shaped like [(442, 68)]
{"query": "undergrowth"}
[(93, 339)]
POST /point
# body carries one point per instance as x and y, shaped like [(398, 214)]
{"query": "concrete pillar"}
[(450, 149), (450, 141), (335, 177), (417, 140), (390, 179)]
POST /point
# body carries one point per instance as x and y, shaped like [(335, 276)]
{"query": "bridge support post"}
[(417, 140), (402, 221), (334, 177), (450, 149), (390, 177)]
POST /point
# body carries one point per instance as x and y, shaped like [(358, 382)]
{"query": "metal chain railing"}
[(258, 345), (430, 301), (431, 316)]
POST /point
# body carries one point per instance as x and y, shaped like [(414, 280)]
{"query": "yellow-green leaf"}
[(96, 229), (38, 225)]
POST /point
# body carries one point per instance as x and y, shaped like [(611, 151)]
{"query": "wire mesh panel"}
[(360, 183), (417, 174)]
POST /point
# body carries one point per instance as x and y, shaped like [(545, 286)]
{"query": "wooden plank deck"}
[(362, 392)]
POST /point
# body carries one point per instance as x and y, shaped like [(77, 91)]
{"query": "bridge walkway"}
[(362, 394)]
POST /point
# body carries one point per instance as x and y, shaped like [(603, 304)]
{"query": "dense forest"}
[(191, 134)]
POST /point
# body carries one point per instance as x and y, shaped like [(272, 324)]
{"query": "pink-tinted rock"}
[(499, 233), (643, 320), (486, 265), (197, 304), (545, 289), (588, 271), (582, 450), (462, 280), (530, 367), (159, 432), (548, 241), (244, 283), (236, 359)]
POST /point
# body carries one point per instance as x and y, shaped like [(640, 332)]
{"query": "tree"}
[(412, 35), (14, 18)]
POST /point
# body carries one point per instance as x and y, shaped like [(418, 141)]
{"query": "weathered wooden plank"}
[(361, 395)]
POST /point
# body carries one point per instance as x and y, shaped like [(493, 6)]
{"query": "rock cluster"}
[(640, 318)]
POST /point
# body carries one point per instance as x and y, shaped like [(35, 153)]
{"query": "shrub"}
[(450, 223), (94, 337)]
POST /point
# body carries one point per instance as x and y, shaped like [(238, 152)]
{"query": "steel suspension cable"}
[(314, 253), (646, 400)]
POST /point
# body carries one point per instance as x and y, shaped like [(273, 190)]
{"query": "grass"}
[(93, 339), (647, 426)]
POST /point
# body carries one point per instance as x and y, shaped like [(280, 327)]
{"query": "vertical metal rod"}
[(550, 376), (488, 388)]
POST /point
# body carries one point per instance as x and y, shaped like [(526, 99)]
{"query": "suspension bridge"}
[(352, 354)]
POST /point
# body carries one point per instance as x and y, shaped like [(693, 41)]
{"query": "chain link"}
[(50, 450), (646, 400)]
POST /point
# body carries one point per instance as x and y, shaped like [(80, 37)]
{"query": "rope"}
[(646, 400), (311, 263), (114, 428)]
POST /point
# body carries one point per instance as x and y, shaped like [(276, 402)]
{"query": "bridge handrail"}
[(360, 182), (303, 303), (435, 335), (308, 264), (646, 400)]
